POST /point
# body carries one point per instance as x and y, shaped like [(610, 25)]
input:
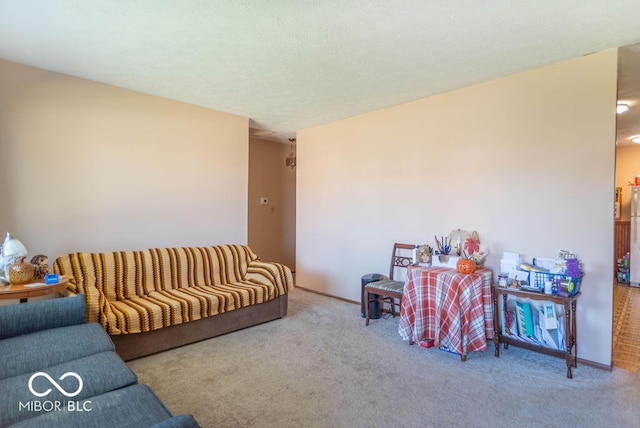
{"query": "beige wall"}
[(272, 226), (627, 168), (90, 167), (526, 160)]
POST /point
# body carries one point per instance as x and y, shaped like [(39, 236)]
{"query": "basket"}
[(563, 285)]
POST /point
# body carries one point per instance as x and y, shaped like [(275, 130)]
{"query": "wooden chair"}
[(388, 290)]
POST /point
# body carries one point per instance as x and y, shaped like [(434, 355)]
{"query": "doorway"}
[(272, 202), (626, 299)]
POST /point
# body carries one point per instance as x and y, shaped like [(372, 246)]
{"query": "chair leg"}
[(399, 305), (366, 306), (392, 303), (390, 300)]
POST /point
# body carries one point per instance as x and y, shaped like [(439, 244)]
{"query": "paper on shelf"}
[(548, 318)]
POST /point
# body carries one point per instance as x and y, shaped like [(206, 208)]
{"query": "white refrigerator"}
[(634, 252)]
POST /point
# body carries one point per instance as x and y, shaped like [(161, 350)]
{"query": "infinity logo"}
[(54, 383)]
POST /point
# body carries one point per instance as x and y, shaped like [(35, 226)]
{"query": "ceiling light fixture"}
[(622, 108), (636, 139), (291, 159)]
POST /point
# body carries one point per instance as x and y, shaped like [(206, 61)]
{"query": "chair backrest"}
[(401, 257)]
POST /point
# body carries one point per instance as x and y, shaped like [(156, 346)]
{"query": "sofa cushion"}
[(99, 373), (134, 406), (39, 315), (176, 306), (51, 347), (180, 421), (197, 266)]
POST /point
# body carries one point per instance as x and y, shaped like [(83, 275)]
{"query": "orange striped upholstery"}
[(138, 291)]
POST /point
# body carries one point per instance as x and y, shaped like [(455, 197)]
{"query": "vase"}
[(21, 272)]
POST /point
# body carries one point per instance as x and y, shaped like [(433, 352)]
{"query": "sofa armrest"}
[(97, 304), (29, 317), (271, 272), (95, 300), (81, 282)]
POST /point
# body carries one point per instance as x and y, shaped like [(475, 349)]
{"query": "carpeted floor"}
[(626, 327), (321, 367)]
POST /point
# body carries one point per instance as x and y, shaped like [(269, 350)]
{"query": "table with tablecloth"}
[(455, 310)]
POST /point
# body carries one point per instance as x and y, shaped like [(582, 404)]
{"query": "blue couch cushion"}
[(135, 406), (98, 373), (28, 317), (180, 421), (51, 347)]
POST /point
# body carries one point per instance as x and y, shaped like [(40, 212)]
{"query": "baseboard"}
[(328, 295), (593, 364)]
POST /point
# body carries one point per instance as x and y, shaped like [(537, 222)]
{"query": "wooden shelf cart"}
[(570, 331)]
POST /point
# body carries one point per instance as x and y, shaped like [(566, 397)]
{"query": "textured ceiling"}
[(628, 124), (291, 64)]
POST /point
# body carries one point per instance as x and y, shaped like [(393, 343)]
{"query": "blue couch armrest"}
[(24, 318)]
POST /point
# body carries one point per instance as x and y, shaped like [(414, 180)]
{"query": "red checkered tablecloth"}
[(453, 309)]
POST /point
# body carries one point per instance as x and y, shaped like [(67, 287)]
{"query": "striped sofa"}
[(160, 298)]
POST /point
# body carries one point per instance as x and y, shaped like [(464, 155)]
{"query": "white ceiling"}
[(628, 124), (294, 64)]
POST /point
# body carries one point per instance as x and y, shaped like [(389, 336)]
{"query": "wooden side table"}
[(24, 291), (570, 354)]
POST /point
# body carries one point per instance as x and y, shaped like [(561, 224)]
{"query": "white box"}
[(510, 257), (510, 261), (508, 267), (441, 260)]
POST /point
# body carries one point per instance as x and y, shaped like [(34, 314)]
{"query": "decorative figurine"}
[(424, 254), (41, 263)]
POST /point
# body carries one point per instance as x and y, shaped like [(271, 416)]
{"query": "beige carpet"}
[(321, 367)]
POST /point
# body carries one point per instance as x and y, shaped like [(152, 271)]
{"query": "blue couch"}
[(57, 370)]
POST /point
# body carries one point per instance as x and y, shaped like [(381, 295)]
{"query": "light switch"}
[(264, 200)]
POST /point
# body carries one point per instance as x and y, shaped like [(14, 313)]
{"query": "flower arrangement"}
[(574, 269), (473, 250), (472, 244)]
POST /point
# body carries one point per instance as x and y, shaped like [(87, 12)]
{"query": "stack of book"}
[(536, 323)]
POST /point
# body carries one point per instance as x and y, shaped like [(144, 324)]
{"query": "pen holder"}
[(443, 260)]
